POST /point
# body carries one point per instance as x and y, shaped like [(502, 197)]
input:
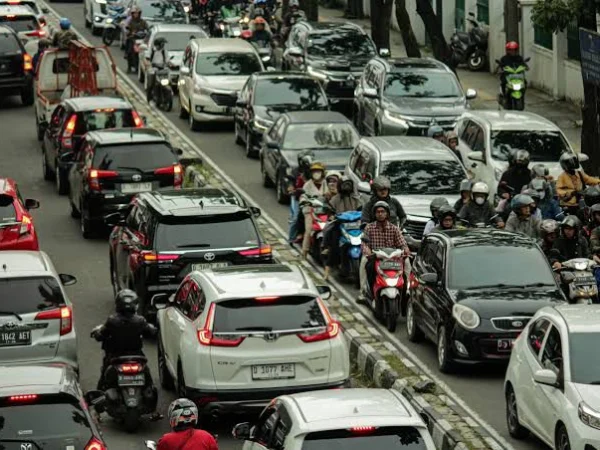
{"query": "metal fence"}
[(542, 38), (483, 11), (573, 50)]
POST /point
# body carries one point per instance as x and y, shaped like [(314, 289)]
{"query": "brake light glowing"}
[(67, 137), (266, 299), (95, 175), (27, 62), (175, 170), (14, 2), (64, 314), (105, 110), (413, 282), (36, 33), (95, 444), (390, 273), (130, 368), (263, 250), (137, 120), (26, 226), (206, 337), (331, 330), (362, 430), (23, 398), (10, 16), (155, 257)]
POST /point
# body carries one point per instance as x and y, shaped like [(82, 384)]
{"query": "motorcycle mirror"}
[(471, 94), (66, 279), (324, 292), (429, 278), (384, 52), (151, 445), (471, 14), (94, 398)]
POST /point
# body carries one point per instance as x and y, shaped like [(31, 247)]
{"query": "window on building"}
[(573, 50), (483, 11), (542, 38)]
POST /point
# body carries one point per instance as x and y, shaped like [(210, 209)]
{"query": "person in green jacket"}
[(229, 10)]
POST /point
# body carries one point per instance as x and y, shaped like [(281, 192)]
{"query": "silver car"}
[(36, 315)]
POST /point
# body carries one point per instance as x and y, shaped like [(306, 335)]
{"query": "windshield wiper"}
[(254, 329), (11, 313), (538, 285), (193, 245), (489, 286)]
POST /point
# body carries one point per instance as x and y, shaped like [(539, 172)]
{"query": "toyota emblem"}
[(209, 256), (9, 325), (136, 177), (350, 77), (517, 324)]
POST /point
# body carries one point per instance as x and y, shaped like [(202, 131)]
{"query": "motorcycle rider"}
[(465, 194), (570, 244), (547, 205), (332, 179), (541, 172), (517, 176), (229, 10), (260, 36), (595, 232), (315, 187), (479, 210), (447, 219), (158, 60), (549, 233), (381, 234), (290, 18), (434, 207), (381, 191), (43, 45), (133, 24), (436, 132), (511, 59), (452, 143), (521, 219), (183, 417), (572, 182), (64, 36), (535, 211), (299, 177), (591, 197)]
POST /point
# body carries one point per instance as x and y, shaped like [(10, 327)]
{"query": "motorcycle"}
[(151, 445), (516, 85), (230, 28), (266, 55), (162, 92), (578, 281), (133, 58), (350, 244), (470, 48), (320, 215), (116, 15)]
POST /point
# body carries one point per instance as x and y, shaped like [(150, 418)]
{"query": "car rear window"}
[(8, 44), (139, 156), (20, 23), (29, 295), (284, 313), (384, 438), (8, 214), (221, 231), (51, 421), (101, 119)]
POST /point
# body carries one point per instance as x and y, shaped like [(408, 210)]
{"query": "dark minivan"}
[(16, 67)]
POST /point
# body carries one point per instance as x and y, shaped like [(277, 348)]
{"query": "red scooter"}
[(320, 215)]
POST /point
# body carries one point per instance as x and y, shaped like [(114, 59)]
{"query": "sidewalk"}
[(564, 114)]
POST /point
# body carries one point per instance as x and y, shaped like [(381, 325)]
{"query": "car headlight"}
[(262, 124), (498, 173), (589, 416), (465, 316), (101, 2), (317, 74), (165, 81), (398, 118), (186, 8), (109, 21)]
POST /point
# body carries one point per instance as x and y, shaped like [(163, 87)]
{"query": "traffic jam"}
[(472, 233)]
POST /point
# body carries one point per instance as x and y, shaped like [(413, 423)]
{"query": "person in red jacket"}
[(183, 417)]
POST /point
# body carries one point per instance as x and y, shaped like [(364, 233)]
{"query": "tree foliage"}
[(555, 15)]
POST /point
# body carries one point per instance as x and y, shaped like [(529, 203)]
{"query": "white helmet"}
[(333, 173), (480, 188)]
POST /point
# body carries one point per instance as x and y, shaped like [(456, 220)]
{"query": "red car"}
[(16, 224)]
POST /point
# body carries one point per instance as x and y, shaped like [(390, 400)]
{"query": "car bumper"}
[(8, 85), (256, 137), (205, 109), (472, 347)]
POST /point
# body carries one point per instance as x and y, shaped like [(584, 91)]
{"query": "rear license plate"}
[(390, 265), (15, 338), (132, 380), (505, 345), (129, 188), (207, 266), (274, 371)]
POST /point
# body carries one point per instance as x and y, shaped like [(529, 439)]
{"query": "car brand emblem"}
[(26, 446), (517, 324), (350, 77), (136, 177), (209, 256), (9, 325), (433, 122), (270, 337)]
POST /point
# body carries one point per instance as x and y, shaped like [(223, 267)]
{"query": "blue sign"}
[(589, 44)]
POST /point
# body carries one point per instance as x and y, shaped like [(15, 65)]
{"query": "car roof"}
[(580, 318), (194, 202), (345, 408), (316, 117), (18, 10), (222, 45), (320, 27), (415, 63), (37, 379), (126, 136), (167, 27), (475, 237), (97, 102), (408, 147), (513, 120), (22, 263)]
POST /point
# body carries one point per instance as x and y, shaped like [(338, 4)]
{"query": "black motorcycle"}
[(471, 47), (162, 93)]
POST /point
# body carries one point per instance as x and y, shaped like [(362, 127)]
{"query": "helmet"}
[(126, 301), (521, 200), (480, 188), (160, 42), (333, 174), (64, 23), (466, 185), (294, 4), (380, 204), (435, 131), (347, 184), (305, 158), (446, 211), (591, 195), (539, 186), (522, 158), (450, 135), (535, 195), (260, 20), (570, 222), (569, 162), (436, 204), (595, 209), (512, 45), (549, 226), (136, 9), (539, 170), (183, 413), (317, 166), (382, 183), (44, 43)]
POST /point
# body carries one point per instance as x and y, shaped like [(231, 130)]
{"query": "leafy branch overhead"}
[(556, 15)]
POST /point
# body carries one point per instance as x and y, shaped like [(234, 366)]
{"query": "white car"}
[(25, 22), (39, 11), (239, 336), (552, 384), (337, 419), (95, 13)]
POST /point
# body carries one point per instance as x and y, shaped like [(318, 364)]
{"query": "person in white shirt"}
[(158, 60)]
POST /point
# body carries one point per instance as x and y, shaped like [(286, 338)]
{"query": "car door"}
[(139, 240), (51, 141), (264, 430), (430, 301), (186, 81), (241, 116), (78, 173), (273, 155), (123, 244), (174, 322), (474, 139), (192, 309)]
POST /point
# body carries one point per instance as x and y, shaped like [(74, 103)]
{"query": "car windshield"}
[(29, 295), (320, 136), (221, 231), (20, 23), (471, 267), (101, 119), (144, 157), (585, 364), (351, 44), (8, 45), (210, 64), (172, 10), (178, 41), (541, 145), (305, 93), (421, 83), (285, 313), (381, 438), (8, 214), (425, 177)]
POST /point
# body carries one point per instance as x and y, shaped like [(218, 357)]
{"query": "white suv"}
[(351, 419), (237, 337), (553, 380)]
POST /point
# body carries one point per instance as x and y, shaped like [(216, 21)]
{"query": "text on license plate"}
[(274, 371), (12, 338), (207, 266), (127, 188), (505, 345), (132, 380)]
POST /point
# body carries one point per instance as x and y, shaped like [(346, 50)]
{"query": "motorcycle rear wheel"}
[(166, 103), (131, 420), (518, 104), (476, 61)]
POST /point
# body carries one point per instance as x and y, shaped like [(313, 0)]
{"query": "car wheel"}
[(238, 139), (193, 123), (48, 174), (282, 197), (562, 441), (512, 416), (443, 351), (412, 329), (96, 31), (27, 95), (266, 181), (250, 152), (85, 224), (142, 77), (75, 214), (181, 389), (61, 186), (166, 380), (183, 114)]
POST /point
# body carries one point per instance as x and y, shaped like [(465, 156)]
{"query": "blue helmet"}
[(64, 23)]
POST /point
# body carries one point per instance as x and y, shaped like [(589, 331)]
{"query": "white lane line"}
[(366, 312)]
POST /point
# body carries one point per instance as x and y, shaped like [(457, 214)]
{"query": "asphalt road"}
[(480, 388)]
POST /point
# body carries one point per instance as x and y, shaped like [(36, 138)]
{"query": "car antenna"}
[(131, 133), (201, 204), (4, 267)]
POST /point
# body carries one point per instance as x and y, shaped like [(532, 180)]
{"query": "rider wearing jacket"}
[(229, 10), (452, 143), (183, 417), (260, 36), (549, 233), (158, 60), (516, 176), (435, 206), (572, 182), (548, 206), (465, 194), (511, 59), (521, 219), (479, 210), (595, 232), (436, 132), (571, 244), (447, 219), (381, 192)]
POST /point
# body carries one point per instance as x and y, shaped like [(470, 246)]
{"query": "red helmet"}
[(512, 45), (246, 34)]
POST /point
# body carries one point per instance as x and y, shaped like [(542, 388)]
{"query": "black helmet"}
[(591, 196), (535, 195), (381, 182), (126, 301), (569, 162), (595, 209), (549, 226), (539, 170), (521, 200), (571, 222), (380, 204), (305, 159), (436, 204), (522, 158), (446, 211), (160, 42), (539, 186)]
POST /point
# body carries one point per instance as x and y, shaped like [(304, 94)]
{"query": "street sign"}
[(589, 44)]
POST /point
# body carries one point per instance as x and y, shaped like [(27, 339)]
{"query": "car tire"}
[(27, 95), (238, 139), (512, 416), (282, 197), (562, 441), (193, 123), (266, 181), (414, 333), (183, 114), (181, 388), (48, 174), (443, 351), (75, 214), (85, 225), (61, 187), (250, 152), (166, 380)]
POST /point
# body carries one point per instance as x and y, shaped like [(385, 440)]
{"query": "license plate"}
[(129, 188), (132, 380), (505, 345), (207, 266), (274, 371), (352, 226), (14, 338), (390, 265), (585, 281)]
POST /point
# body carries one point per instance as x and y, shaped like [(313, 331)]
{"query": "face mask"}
[(317, 176), (479, 200)]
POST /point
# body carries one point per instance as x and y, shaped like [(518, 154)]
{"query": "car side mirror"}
[(256, 212), (429, 278), (66, 279), (384, 52), (324, 292), (364, 187), (94, 398), (30, 203), (114, 219), (178, 151), (241, 431), (241, 103), (160, 301), (471, 94), (66, 157), (582, 157), (475, 156), (527, 59), (370, 93), (273, 145), (546, 376), (185, 71), (296, 52), (150, 445)]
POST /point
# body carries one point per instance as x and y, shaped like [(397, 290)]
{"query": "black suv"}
[(168, 234), (475, 291), (111, 166), (44, 407), (16, 67)]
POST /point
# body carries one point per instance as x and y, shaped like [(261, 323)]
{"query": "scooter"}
[(350, 244), (133, 59), (470, 48), (230, 28), (578, 281), (266, 55), (162, 92), (116, 15), (320, 215), (516, 86)]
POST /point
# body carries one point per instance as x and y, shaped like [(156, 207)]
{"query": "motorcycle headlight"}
[(589, 416), (222, 27), (237, 32), (262, 124), (266, 58), (465, 316), (581, 265), (517, 86), (186, 8), (109, 21), (165, 81), (319, 75)]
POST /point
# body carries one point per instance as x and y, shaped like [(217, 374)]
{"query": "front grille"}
[(510, 323), (338, 89), (223, 99), (426, 122), (415, 229)]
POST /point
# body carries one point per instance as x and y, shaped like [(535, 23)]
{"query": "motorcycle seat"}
[(463, 36), (131, 358)]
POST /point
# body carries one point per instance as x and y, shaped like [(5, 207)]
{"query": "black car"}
[(16, 67), (42, 406), (112, 166), (167, 235), (265, 96), (330, 135), (475, 292), (70, 121)]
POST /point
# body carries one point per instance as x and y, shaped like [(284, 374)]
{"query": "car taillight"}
[(64, 314), (67, 137), (331, 330), (148, 256), (137, 120), (266, 299), (174, 170), (26, 226), (27, 62), (95, 444), (362, 430), (36, 33), (263, 250), (95, 175), (206, 337), (23, 398), (130, 368)]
